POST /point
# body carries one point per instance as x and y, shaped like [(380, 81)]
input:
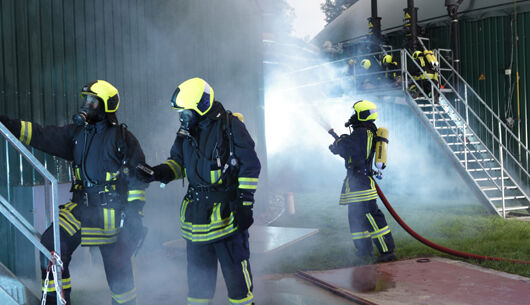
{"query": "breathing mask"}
[(188, 119), (90, 112)]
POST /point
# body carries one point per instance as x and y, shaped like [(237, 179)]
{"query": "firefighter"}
[(367, 222), (107, 199), (429, 64), (390, 66), (214, 151), (368, 76)]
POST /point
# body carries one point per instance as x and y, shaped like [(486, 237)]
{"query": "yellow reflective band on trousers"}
[(124, 297), (249, 299), (197, 301), (68, 222), (361, 235), (248, 183), (135, 195), (77, 173), (67, 284), (175, 168), (208, 232), (26, 131), (358, 196), (378, 233), (101, 236), (214, 175)]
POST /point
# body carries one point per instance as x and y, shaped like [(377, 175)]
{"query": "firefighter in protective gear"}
[(429, 64), (390, 66), (368, 78), (214, 151), (367, 222), (107, 199)]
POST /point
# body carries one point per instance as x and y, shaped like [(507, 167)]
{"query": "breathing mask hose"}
[(436, 246)]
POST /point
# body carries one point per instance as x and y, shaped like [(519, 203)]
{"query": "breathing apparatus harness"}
[(352, 123), (231, 163), (104, 197)]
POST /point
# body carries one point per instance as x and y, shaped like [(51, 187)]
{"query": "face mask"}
[(188, 119), (91, 112)]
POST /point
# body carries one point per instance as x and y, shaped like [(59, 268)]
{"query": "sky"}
[(309, 19)]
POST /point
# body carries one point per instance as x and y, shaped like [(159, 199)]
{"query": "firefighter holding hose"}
[(367, 222)]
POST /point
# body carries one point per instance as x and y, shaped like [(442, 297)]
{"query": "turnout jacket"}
[(205, 214), (103, 188), (358, 149)]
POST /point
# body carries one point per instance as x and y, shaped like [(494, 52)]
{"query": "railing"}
[(15, 218), (468, 115), (492, 130)]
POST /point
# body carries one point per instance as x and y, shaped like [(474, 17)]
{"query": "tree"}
[(333, 8)]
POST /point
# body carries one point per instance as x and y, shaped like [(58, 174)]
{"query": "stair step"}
[(435, 112), (12, 291), (447, 127), (514, 208), (483, 169), (508, 198), (478, 160), (470, 151), (457, 143), (492, 188), (488, 178)]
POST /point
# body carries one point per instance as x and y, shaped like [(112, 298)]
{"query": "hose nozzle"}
[(333, 134)]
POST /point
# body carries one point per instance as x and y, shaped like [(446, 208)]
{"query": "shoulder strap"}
[(122, 143)]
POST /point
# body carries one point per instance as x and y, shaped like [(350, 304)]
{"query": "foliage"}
[(333, 8)]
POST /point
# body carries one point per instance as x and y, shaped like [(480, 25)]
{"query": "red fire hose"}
[(435, 246)]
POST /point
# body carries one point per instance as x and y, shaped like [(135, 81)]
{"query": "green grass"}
[(457, 225)]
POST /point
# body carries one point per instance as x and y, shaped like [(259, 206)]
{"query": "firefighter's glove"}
[(242, 209), (133, 223), (149, 174), (334, 147)]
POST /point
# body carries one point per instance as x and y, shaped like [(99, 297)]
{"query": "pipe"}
[(436, 246), (452, 11), (374, 28), (411, 26)]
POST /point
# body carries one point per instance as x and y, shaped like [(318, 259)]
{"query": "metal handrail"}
[(433, 85), (485, 105), (476, 117), (19, 221), (487, 128)]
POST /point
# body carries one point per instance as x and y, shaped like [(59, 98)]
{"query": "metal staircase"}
[(12, 291), (478, 144)]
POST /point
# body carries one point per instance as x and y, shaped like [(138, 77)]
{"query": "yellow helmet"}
[(387, 59), (366, 64), (105, 92), (365, 111), (416, 54), (195, 94), (351, 62)]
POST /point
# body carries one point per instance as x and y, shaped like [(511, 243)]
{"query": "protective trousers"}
[(367, 224), (117, 260), (233, 254)]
